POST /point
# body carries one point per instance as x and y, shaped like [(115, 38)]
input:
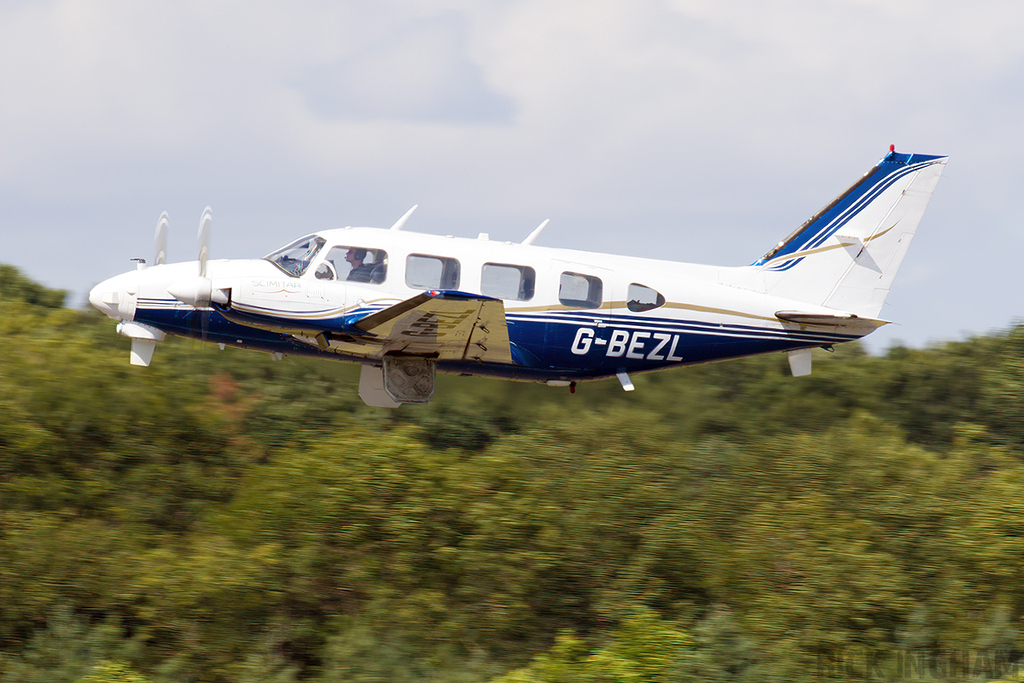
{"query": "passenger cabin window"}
[(641, 298), (431, 272), (505, 281), (579, 291), (296, 257), (354, 264)]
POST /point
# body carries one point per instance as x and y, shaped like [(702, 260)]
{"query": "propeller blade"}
[(161, 240), (205, 226)]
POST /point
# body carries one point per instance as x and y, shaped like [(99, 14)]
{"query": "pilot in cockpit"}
[(361, 272)]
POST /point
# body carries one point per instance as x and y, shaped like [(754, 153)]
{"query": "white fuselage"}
[(582, 315), (407, 304)]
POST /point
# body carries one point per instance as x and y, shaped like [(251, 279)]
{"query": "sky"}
[(693, 130)]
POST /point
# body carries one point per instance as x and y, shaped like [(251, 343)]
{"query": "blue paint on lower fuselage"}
[(211, 326), (340, 325), (552, 345), (603, 345)]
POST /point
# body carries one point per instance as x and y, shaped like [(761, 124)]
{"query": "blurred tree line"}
[(223, 517)]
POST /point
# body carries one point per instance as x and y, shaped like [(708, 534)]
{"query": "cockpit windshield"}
[(296, 257)]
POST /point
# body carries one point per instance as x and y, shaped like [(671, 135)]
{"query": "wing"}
[(453, 325)]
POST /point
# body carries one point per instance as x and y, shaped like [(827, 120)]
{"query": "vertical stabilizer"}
[(846, 256)]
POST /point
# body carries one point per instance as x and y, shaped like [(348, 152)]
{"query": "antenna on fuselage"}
[(533, 235), (401, 221)]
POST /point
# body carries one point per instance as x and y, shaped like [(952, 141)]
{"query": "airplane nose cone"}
[(104, 298), (115, 297)]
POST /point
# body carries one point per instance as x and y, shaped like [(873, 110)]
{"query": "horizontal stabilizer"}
[(445, 324), (845, 323), (826, 319)]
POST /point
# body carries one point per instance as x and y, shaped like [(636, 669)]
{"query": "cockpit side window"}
[(423, 271), (506, 281), (643, 298), (296, 257), (354, 264), (579, 291)]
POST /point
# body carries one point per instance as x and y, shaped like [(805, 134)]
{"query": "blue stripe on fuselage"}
[(591, 345), (571, 344), (209, 325)]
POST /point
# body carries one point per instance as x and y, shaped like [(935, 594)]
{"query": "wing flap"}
[(450, 325)]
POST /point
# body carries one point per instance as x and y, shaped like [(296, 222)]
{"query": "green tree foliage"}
[(643, 649), (223, 517), (69, 650), (16, 287), (113, 672)]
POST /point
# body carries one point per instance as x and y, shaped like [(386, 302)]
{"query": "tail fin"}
[(846, 255)]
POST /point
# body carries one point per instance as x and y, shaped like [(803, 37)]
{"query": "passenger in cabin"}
[(361, 272)]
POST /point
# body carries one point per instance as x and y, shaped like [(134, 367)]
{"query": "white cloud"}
[(703, 130), (418, 72)]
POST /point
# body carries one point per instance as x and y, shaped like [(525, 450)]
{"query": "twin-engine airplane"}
[(406, 305)]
